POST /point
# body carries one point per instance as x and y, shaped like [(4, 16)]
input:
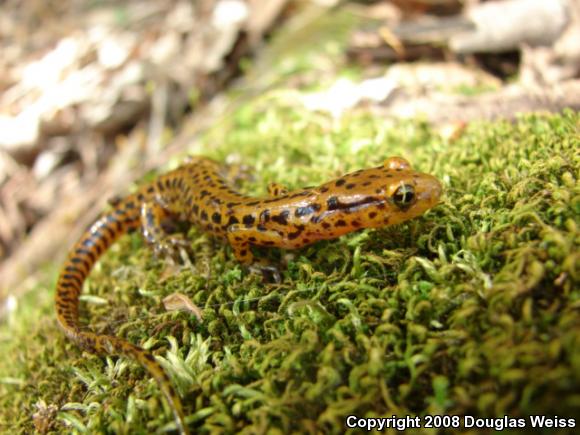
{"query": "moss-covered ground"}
[(473, 308)]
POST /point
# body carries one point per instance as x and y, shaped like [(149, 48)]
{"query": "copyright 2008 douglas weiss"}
[(458, 421)]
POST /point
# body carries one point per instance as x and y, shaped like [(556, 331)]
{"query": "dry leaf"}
[(180, 302)]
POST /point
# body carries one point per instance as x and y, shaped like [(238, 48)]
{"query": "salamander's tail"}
[(81, 259), (111, 345)]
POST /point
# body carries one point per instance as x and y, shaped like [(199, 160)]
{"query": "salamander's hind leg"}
[(275, 189), (154, 219), (241, 238)]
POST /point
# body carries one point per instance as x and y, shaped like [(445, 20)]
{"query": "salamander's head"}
[(381, 196)]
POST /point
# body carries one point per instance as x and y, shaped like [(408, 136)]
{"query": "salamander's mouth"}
[(429, 191)]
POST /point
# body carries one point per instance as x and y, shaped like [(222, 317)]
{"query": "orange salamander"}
[(199, 193)]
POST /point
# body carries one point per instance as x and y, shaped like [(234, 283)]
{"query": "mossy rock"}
[(470, 309)]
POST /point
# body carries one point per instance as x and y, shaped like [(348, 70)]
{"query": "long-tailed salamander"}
[(199, 193)]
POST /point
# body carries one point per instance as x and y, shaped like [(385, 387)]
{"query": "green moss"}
[(470, 309)]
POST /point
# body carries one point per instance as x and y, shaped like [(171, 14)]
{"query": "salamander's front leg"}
[(241, 238), (275, 189), (153, 217)]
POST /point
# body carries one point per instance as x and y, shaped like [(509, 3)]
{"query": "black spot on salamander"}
[(340, 182), (309, 209), (332, 203), (399, 169), (110, 232), (88, 253), (295, 234), (243, 252), (356, 224), (160, 186), (77, 260), (350, 186), (248, 219), (195, 209), (150, 189), (296, 195), (267, 243), (252, 239), (119, 226), (378, 191), (367, 183), (261, 228), (66, 285), (265, 216), (326, 225), (372, 214), (253, 203), (216, 218), (73, 269), (350, 207), (282, 218), (204, 193), (340, 223), (74, 278), (315, 219), (323, 189), (233, 220), (203, 215), (140, 197), (168, 183), (391, 175), (63, 300)]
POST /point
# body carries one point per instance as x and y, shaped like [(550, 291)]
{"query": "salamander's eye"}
[(404, 196)]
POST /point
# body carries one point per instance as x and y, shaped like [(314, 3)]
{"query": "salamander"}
[(199, 193)]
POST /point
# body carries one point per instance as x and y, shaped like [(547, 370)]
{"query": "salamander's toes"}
[(171, 246), (269, 273)]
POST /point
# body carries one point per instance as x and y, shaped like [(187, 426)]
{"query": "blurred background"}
[(94, 94)]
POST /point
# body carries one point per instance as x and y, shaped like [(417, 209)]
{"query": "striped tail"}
[(81, 259)]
